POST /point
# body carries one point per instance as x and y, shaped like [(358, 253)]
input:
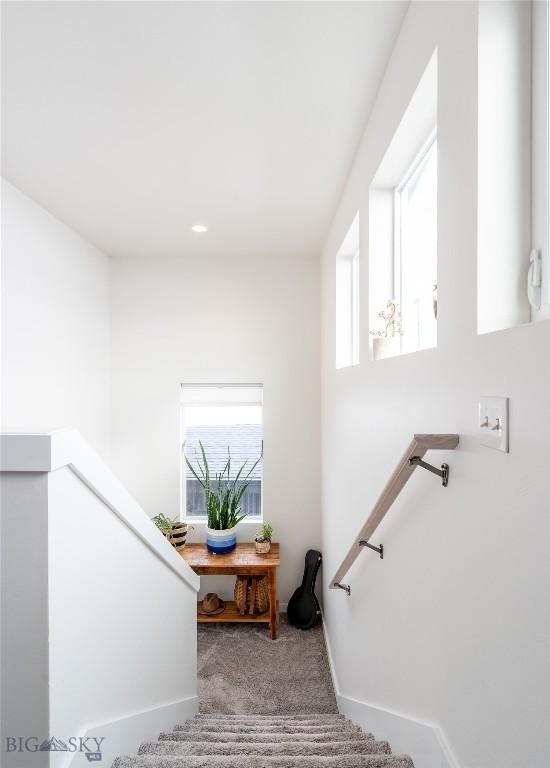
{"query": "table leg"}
[(273, 618)]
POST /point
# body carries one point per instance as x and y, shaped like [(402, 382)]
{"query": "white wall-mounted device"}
[(493, 422), (534, 279)]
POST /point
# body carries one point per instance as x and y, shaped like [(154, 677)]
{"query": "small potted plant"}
[(386, 342), (173, 529), (262, 542)]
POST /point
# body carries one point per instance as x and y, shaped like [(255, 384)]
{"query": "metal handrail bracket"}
[(345, 587), (443, 473), (379, 549)]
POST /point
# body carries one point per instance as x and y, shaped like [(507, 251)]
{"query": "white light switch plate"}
[(493, 422)]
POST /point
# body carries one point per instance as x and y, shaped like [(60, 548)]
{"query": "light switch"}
[(493, 422)]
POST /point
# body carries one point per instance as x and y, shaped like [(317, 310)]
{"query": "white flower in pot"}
[(386, 343), (223, 495), (262, 542)]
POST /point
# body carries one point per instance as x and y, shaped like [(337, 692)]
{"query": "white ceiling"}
[(131, 121)]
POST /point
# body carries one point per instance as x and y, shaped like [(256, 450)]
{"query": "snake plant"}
[(223, 494)]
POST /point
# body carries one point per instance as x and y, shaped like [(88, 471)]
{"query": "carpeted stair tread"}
[(356, 747), (312, 716), (198, 736), (290, 727), (271, 719), (248, 721), (270, 761)]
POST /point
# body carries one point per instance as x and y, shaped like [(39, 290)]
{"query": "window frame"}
[(355, 307), (202, 519), (540, 148), (413, 169), (348, 259)]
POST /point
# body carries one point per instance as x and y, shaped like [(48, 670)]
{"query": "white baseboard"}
[(330, 658), (123, 736), (424, 742)]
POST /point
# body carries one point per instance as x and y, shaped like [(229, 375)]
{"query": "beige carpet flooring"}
[(242, 671)]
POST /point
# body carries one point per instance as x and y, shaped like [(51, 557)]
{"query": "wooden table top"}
[(243, 556)]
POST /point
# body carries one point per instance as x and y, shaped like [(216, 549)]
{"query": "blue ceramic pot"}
[(221, 542)]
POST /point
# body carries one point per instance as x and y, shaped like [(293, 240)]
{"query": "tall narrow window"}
[(538, 275), (403, 230), (227, 421), (504, 163), (347, 299), (415, 269)]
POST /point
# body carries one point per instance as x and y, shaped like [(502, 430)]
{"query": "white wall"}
[(55, 324), (130, 646), (217, 319), (24, 594), (452, 627)]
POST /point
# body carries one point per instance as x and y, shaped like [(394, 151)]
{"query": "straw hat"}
[(211, 605)]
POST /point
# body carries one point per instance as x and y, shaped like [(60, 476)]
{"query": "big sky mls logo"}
[(90, 746)]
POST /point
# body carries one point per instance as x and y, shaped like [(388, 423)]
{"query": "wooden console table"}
[(243, 561)]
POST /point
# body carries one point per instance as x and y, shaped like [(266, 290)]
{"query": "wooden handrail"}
[(403, 471)]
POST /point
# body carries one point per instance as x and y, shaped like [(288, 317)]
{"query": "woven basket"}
[(262, 547), (178, 535), (251, 594)]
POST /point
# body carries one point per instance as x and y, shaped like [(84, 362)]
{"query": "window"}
[(403, 230), (540, 171), (347, 299), (222, 417), (513, 260), (415, 250)]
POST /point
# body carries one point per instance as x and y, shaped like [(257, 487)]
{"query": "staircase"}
[(260, 741)]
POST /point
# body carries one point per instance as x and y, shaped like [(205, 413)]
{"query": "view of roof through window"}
[(227, 420)]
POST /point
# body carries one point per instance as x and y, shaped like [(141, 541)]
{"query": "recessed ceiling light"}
[(199, 228)]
